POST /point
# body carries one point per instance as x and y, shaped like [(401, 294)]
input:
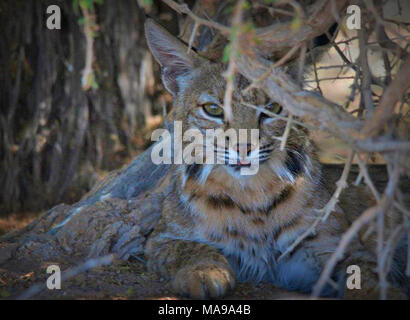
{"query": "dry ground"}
[(120, 280)]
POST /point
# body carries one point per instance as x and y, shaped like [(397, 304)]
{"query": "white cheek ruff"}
[(281, 171)]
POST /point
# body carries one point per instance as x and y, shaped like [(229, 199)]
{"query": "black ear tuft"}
[(170, 53)]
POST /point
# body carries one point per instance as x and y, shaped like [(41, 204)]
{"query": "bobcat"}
[(218, 226)]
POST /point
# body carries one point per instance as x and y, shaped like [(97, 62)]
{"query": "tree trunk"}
[(56, 136)]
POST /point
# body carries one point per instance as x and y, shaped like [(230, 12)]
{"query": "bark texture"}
[(55, 136)]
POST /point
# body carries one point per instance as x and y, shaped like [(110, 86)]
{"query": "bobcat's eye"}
[(213, 110), (274, 107), (271, 107)]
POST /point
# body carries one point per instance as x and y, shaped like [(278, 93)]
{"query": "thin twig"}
[(367, 179), (327, 209), (365, 73), (230, 72), (184, 9), (285, 136), (274, 115), (192, 37), (367, 216), (70, 273)]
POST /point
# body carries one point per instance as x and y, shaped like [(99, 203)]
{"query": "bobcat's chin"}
[(244, 170)]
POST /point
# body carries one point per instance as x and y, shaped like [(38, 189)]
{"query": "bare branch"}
[(282, 37), (70, 273), (330, 206), (229, 74), (391, 95), (367, 216), (366, 91), (286, 133), (184, 9), (281, 89)]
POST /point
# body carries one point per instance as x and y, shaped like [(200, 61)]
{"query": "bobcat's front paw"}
[(204, 280)]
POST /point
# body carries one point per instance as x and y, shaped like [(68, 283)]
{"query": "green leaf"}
[(95, 85), (248, 27), (81, 20), (296, 23), (228, 10), (4, 294), (145, 3), (75, 6), (87, 4), (233, 34), (227, 53)]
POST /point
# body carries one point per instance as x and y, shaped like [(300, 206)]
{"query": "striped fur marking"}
[(226, 203), (294, 163)]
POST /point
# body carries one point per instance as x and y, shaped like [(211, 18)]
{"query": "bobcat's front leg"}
[(196, 270)]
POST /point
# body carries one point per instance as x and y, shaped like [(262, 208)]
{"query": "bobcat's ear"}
[(170, 53)]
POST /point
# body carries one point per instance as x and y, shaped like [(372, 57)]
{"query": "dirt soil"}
[(120, 280), (26, 252)]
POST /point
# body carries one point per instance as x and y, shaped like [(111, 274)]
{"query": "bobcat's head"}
[(198, 88)]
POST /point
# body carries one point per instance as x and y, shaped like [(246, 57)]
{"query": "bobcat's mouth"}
[(239, 165), (234, 161), (244, 164)]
